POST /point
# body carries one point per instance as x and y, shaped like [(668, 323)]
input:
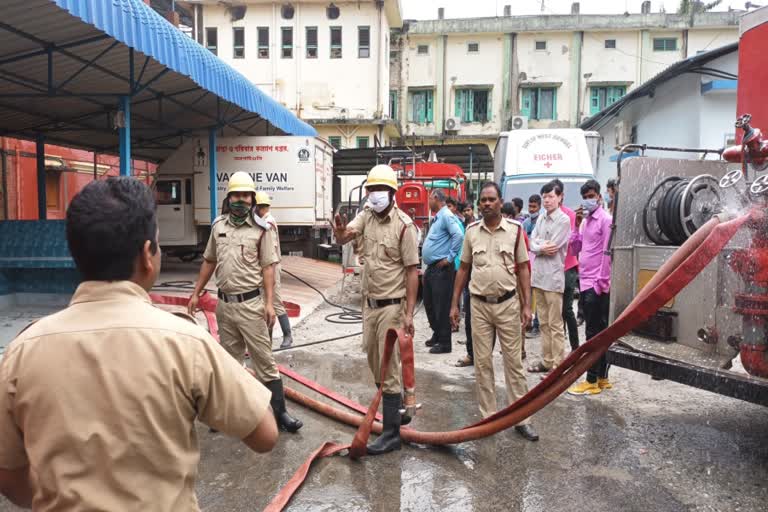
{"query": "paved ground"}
[(645, 445)]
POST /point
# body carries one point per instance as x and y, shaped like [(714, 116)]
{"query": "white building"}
[(691, 104), (465, 80), (326, 61)]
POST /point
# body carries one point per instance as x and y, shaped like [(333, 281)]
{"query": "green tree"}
[(691, 7)]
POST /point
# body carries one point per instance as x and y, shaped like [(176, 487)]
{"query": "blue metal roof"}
[(135, 24)]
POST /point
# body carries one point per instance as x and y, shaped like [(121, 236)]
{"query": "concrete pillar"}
[(644, 50), (212, 168), (440, 13), (441, 92), (125, 136), (509, 89), (577, 45), (42, 202)]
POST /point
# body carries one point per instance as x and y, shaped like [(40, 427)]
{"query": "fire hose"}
[(682, 267)]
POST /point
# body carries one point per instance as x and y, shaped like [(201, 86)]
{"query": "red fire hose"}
[(684, 265)]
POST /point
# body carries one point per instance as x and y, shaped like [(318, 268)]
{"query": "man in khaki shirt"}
[(495, 253), (98, 401), (390, 286), (242, 252)]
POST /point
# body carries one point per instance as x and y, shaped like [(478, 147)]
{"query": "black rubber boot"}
[(284, 420), (285, 326), (389, 440)]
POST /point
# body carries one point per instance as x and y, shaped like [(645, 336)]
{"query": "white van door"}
[(171, 210)]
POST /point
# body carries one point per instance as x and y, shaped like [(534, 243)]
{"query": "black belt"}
[(495, 300), (238, 297), (380, 303)]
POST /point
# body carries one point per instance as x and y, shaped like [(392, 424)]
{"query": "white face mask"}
[(379, 200)]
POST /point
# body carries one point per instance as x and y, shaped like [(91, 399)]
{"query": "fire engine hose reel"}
[(678, 207)]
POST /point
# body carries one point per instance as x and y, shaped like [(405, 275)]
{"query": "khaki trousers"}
[(505, 320), (277, 301), (549, 305), (241, 326), (376, 323)]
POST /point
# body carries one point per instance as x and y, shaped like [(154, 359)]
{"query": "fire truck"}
[(714, 334)]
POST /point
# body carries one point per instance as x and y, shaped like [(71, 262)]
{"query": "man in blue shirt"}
[(439, 252)]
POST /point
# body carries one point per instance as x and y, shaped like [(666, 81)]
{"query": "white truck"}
[(525, 160), (296, 172)]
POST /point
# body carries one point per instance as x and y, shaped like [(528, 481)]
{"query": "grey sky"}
[(427, 9)]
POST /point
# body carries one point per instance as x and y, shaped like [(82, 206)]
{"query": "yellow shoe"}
[(604, 384), (585, 388)]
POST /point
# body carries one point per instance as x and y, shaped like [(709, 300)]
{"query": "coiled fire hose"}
[(682, 267)]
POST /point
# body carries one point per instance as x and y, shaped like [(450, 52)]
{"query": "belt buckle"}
[(492, 300)]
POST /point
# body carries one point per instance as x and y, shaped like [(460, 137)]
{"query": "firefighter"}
[(390, 285), (495, 252), (263, 205), (242, 251)]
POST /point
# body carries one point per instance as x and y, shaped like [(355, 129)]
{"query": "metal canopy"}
[(66, 65)]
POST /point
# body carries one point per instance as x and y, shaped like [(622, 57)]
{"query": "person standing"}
[(534, 208), (263, 206), (243, 251), (517, 202), (439, 251), (590, 240), (111, 425), (391, 284), (549, 242), (612, 189), (571, 277), (508, 211), (467, 360), (494, 250), (469, 214)]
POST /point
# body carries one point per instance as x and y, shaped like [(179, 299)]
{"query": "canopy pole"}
[(125, 136), (212, 167), (42, 203)]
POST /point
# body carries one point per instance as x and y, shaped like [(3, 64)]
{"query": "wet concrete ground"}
[(643, 446)]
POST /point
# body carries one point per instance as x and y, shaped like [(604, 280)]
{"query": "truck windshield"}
[(526, 187)]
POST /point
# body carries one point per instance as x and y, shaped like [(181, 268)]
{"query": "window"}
[(610, 43), (263, 36), (362, 142), (393, 104), (420, 106), (539, 102), (286, 47), (422, 49), (168, 192), (601, 97), (473, 47), (52, 181), (473, 105), (363, 42), (212, 40), (238, 47), (665, 44), (311, 42), (335, 42), (541, 45), (335, 141)]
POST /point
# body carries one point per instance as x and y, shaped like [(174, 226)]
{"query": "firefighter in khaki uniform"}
[(390, 286), (263, 204), (242, 250), (111, 425), (495, 253)]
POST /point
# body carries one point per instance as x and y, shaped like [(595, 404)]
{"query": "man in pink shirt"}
[(590, 242), (571, 278)]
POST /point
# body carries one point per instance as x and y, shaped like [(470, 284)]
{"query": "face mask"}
[(534, 216), (238, 211), (379, 200), (589, 205)]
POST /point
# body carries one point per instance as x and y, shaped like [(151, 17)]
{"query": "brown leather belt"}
[(495, 300), (380, 303)]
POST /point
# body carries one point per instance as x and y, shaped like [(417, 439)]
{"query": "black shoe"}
[(287, 341), (389, 440), (527, 432), (284, 420), (213, 430), (431, 342), (440, 349)]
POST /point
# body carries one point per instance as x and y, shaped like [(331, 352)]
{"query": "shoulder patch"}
[(407, 220), (514, 222), (219, 219), (475, 223)]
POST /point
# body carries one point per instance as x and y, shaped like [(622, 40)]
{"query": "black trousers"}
[(596, 309), (438, 292), (468, 323), (569, 318)]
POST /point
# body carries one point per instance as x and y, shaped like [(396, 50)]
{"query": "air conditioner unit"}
[(452, 124), (623, 133), (519, 123)]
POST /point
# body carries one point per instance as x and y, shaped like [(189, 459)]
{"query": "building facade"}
[(328, 62), (466, 80)]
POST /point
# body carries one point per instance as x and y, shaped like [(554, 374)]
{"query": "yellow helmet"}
[(382, 175), (263, 198), (240, 182)]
